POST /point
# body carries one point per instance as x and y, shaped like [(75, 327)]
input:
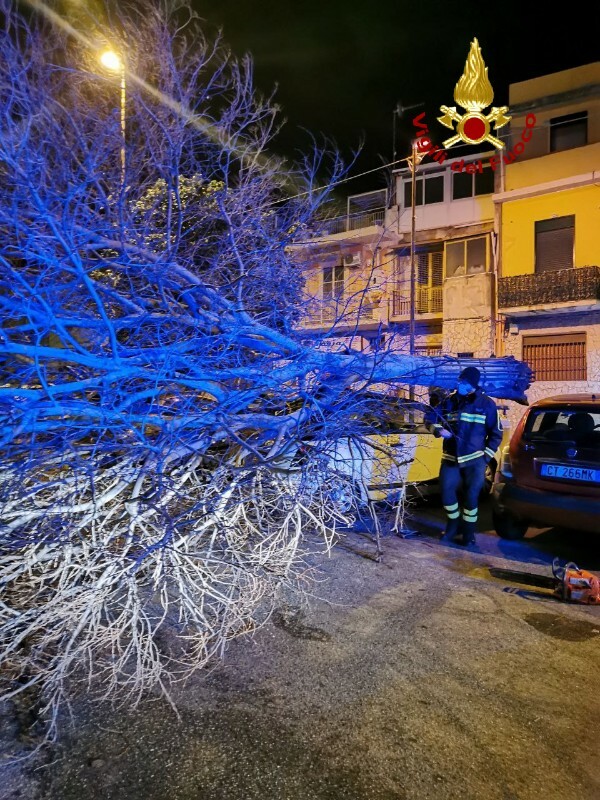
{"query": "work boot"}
[(451, 531), (467, 531)]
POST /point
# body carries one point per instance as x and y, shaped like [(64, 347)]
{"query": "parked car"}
[(402, 456), (376, 466), (549, 475)]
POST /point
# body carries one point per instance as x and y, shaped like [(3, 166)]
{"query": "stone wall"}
[(558, 323), (468, 314)]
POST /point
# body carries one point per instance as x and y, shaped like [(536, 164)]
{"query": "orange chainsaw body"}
[(579, 586)]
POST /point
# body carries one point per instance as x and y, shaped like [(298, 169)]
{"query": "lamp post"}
[(397, 113), (112, 61), (413, 162)]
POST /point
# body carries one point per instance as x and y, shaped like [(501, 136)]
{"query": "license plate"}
[(566, 472)]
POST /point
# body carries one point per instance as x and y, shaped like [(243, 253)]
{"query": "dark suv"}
[(549, 475)]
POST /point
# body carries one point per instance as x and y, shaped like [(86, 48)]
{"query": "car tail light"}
[(505, 463)]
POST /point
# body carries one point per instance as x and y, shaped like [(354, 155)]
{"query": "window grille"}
[(559, 357), (429, 350), (554, 243)]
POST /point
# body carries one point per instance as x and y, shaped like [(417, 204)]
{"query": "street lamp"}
[(413, 162), (113, 62), (398, 113)]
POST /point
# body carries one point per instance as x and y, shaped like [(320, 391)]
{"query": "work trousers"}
[(466, 481)]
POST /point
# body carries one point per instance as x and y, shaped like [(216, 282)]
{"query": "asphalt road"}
[(435, 673), (540, 545)]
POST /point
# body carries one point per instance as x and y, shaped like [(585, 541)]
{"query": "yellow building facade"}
[(506, 247), (548, 226)]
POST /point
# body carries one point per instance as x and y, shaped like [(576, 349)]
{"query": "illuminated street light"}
[(112, 61)]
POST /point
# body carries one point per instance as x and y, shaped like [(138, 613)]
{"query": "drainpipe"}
[(497, 327)]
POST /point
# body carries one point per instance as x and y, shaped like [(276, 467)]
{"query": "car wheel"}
[(509, 527), (348, 498)]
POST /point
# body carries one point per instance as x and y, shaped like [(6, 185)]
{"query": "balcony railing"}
[(428, 301), (557, 286), (343, 314), (350, 222)]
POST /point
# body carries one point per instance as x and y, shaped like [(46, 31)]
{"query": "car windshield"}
[(555, 424)]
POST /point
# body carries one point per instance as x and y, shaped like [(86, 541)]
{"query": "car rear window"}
[(557, 424)]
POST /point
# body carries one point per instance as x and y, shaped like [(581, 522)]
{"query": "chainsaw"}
[(574, 585)]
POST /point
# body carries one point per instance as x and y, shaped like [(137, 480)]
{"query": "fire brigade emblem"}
[(474, 92)]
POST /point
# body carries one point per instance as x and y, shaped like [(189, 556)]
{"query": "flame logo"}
[(474, 92)]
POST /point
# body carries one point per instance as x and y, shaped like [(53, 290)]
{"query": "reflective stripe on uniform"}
[(489, 452), (470, 457), (453, 511), (466, 417), (469, 515), (446, 457)]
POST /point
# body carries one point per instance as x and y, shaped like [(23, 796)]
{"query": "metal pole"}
[(123, 110), (411, 327)]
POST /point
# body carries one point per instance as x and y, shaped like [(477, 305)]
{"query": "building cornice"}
[(560, 185), (561, 98)]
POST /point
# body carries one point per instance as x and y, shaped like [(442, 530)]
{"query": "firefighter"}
[(469, 423)]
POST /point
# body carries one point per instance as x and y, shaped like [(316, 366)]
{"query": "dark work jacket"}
[(473, 420)]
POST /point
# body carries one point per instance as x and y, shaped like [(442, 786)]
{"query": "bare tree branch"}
[(154, 370)]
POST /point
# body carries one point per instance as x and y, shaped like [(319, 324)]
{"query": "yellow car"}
[(402, 458), (408, 460)]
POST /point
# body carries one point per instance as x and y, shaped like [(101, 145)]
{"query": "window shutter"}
[(557, 357), (437, 269), (554, 242), (423, 269)]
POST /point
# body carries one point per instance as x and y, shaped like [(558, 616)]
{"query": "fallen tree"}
[(153, 369)]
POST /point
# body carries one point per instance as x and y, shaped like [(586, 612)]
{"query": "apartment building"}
[(498, 255), (549, 225)]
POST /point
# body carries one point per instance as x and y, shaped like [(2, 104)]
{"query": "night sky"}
[(341, 66)]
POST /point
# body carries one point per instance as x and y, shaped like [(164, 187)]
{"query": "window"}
[(433, 186), (560, 424), (429, 350), (558, 357), (467, 256), (429, 273), (378, 342), (568, 131), (554, 243), (333, 283), (467, 184), (333, 291)]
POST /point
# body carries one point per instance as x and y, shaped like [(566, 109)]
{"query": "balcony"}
[(350, 222), (428, 301), (564, 289), (344, 316)]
